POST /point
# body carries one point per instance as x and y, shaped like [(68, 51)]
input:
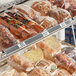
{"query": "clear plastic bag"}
[(6, 38), (46, 65), (64, 62), (42, 6), (20, 63), (48, 22)]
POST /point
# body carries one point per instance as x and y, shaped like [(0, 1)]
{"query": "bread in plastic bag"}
[(26, 21), (38, 72), (46, 65), (50, 47), (70, 52), (59, 14), (6, 38), (20, 63), (64, 62), (42, 6), (16, 27), (48, 22)]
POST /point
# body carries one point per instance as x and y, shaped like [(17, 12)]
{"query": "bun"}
[(34, 55), (20, 63), (6, 38), (64, 62), (48, 22), (59, 14), (42, 6), (38, 72)]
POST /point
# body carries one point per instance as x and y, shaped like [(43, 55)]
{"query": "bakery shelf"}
[(25, 44)]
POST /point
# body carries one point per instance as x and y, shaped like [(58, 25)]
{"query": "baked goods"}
[(42, 6), (20, 63), (48, 22), (64, 62), (46, 65), (59, 14), (11, 72), (70, 52), (50, 47), (31, 13), (34, 55), (38, 72), (60, 72), (28, 23), (6, 38)]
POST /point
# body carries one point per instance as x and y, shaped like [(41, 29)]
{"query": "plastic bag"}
[(20, 63), (6, 38), (42, 6), (70, 52), (38, 72), (64, 62), (48, 22), (46, 65)]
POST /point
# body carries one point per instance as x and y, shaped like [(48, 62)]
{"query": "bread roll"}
[(34, 55), (42, 6), (48, 22), (59, 14), (20, 63), (38, 72), (64, 62)]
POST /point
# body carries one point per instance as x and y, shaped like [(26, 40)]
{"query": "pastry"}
[(20, 63), (64, 62), (38, 72), (48, 22), (42, 6), (6, 38), (46, 65), (59, 14)]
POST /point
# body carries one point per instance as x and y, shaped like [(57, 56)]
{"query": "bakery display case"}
[(28, 43)]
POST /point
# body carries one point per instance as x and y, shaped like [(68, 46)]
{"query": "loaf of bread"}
[(48, 22), (70, 52), (6, 38), (31, 13), (38, 72), (20, 63), (46, 65), (34, 55), (42, 6), (60, 72), (50, 47), (59, 14), (64, 62)]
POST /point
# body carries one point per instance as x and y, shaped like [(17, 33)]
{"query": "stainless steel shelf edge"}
[(25, 44)]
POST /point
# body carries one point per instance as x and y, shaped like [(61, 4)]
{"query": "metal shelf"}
[(25, 44)]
